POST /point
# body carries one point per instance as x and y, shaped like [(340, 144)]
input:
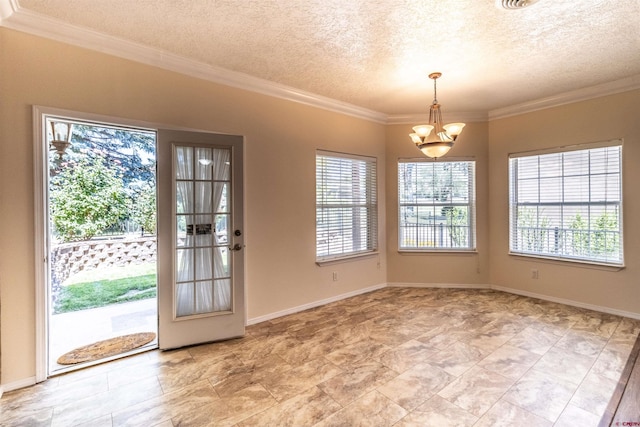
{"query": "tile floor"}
[(394, 357)]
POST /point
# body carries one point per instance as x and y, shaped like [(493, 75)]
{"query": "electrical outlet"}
[(534, 273), (335, 276)]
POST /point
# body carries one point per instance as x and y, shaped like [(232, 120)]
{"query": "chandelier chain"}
[(435, 91)]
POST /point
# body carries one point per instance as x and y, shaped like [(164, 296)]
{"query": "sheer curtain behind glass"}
[(203, 279)]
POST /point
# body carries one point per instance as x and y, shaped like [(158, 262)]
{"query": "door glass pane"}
[(203, 197), (184, 196), (204, 163), (204, 230), (184, 231), (222, 163), (204, 297), (221, 262), (222, 232), (221, 197), (203, 264), (184, 265), (184, 299), (202, 188), (184, 163), (222, 297)]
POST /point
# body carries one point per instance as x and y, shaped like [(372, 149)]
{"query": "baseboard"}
[(439, 285), (564, 301), (26, 382), (314, 304)]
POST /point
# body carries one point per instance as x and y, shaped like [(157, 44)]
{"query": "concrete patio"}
[(71, 330)]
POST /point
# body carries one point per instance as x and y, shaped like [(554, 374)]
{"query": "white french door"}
[(200, 238)]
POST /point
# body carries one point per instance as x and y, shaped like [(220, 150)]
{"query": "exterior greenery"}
[(105, 182), (600, 239), (86, 199), (93, 294), (436, 205)]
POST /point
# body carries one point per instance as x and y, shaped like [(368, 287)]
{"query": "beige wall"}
[(280, 142), (601, 119), (439, 268)]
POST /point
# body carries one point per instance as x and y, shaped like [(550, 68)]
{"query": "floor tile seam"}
[(513, 381), (52, 421), (530, 369), (501, 399), (275, 403), (19, 417), (454, 404), (576, 391), (580, 355), (170, 414)]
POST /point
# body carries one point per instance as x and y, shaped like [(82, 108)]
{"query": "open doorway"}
[(101, 242)]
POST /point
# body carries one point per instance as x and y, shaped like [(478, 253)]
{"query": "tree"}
[(457, 224), (86, 199), (533, 228), (132, 152), (606, 239), (142, 205), (579, 235)]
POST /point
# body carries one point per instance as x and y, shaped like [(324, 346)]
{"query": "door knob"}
[(236, 247)]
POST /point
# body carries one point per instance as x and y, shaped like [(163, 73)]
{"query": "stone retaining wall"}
[(71, 258)]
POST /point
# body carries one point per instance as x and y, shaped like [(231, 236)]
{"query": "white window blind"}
[(346, 206), (436, 205), (568, 204)]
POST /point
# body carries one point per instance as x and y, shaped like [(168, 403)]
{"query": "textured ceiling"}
[(377, 54)]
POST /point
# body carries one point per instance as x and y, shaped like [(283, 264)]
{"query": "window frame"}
[(591, 258), (470, 204), (370, 206)]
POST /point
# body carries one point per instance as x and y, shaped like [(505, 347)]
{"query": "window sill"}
[(568, 261), (438, 251), (349, 258)]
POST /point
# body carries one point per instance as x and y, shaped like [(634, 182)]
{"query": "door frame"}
[(41, 217)]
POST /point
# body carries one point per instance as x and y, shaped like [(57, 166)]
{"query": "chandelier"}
[(437, 143)]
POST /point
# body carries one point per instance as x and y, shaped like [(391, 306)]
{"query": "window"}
[(346, 206), (436, 205), (568, 204)]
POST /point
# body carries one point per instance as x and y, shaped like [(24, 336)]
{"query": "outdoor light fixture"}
[(61, 136), (437, 143)]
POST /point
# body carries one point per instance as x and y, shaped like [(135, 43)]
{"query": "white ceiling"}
[(377, 54)]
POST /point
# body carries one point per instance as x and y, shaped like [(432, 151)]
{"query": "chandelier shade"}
[(435, 139)]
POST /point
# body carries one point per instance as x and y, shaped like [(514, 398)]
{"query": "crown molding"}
[(7, 8), (405, 119), (591, 92), (14, 17)]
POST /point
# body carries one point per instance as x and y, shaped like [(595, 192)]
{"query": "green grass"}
[(106, 287)]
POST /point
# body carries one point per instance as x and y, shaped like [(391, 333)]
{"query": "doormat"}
[(106, 348)]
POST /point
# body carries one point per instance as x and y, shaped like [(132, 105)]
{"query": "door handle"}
[(236, 247)]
